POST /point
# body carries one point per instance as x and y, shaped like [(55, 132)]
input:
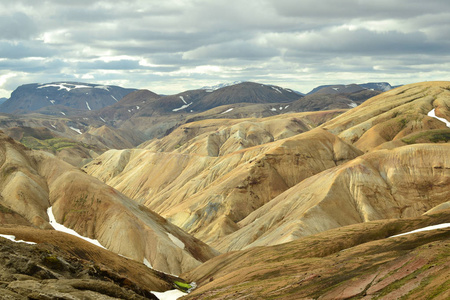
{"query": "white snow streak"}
[(147, 263), (103, 87), (182, 99), (13, 238), (114, 98), (276, 90), (87, 104), (137, 107), (52, 102), (182, 107), (176, 241), (352, 104), (440, 226), (432, 114), (273, 109), (286, 106), (102, 119), (65, 86), (62, 113), (76, 129), (228, 110), (169, 295), (60, 227), (336, 89)]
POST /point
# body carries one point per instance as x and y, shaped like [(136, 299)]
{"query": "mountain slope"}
[(385, 184), (33, 181), (352, 262), (386, 120), (59, 266), (207, 195)]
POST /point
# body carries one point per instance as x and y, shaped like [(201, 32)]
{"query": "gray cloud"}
[(174, 45)]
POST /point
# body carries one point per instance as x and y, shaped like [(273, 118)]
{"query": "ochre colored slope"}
[(404, 182), (393, 115), (206, 195), (33, 181), (352, 262)]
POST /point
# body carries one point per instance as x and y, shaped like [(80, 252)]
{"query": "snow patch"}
[(281, 107), (352, 104), (13, 238), (52, 102), (147, 263), (182, 99), (87, 104), (114, 98), (60, 227), (169, 295), (103, 87), (102, 119), (137, 107), (53, 126), (182, 107), (228, 110), (273, 109), (176, 241), (276, 89), (433, 227), (336, 89), (76, 129), (432, 114), (65, 86), (286, 106), (62, 113)]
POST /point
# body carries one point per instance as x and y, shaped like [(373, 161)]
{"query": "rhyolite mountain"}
[(62, 97), (237, 182)]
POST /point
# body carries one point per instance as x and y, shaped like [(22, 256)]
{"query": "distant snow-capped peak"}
[(219, 86)]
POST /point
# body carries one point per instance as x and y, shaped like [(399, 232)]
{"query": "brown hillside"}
[(33, 181)]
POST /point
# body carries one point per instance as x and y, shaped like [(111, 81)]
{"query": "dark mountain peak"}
[(50, 97)]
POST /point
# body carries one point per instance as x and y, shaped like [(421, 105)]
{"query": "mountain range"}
[(258, 193), (62, 98)]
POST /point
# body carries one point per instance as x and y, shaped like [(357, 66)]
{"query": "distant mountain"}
[(377, 86), (2, 100), (351, 88), (334, 97), (52, 98)]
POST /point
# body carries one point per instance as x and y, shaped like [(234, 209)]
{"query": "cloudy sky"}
[(173, 45)]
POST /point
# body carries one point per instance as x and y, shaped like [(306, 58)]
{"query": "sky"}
[(175, 45)]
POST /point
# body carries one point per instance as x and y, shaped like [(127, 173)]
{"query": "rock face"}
[(60, 96), (33, 181), (61, 266)]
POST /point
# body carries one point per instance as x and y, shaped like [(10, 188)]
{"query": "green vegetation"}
[(53, 144), (433, 136), (182, 285)]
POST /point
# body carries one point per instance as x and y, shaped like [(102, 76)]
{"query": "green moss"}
[(433, 136), (182, 285)]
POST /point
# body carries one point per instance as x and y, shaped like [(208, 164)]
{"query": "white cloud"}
[(168, 46)]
